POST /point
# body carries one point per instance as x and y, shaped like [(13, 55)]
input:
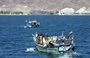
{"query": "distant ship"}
[(33, 23), (54, 44)]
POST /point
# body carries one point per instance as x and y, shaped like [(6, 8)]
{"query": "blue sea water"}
[(15, 39)]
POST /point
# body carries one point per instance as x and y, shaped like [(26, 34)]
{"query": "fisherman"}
[(44, 42), (42, 39), (39, 39), (69, 36)]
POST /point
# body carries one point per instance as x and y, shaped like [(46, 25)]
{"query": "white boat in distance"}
[(33, 23)]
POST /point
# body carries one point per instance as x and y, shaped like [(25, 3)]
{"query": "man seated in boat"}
[(39, 38), (49, 40), (69, 37), (42, 40), (65, 41), (68, 40), (45, 40)]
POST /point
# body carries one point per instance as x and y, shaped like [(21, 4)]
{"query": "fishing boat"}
[(33, 23), (54, 44)]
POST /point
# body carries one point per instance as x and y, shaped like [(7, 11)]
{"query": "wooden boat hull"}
[(51, 51), (54, 50)]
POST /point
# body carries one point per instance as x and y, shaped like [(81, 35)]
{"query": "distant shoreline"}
[(41, 13)]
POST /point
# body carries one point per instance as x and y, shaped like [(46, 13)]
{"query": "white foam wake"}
[(76, 53), (30, 50)]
